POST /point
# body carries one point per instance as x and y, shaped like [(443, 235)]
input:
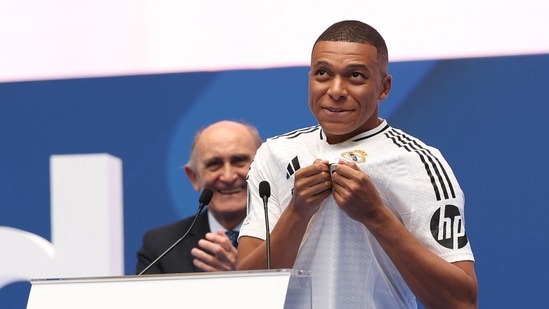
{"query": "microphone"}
[(265, 193), (205, 198)]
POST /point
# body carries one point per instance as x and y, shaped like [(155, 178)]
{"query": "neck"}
[(229, 221)]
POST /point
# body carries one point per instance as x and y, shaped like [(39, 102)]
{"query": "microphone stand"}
[(265, 193), (267, 233), (205, 198)]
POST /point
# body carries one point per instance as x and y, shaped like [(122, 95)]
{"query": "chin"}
[(336, 129), (230, 202)]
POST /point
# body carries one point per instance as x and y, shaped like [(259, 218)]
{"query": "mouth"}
[(231, 190), (335, 110)]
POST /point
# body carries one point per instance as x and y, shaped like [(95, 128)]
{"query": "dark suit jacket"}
[(179, 259)]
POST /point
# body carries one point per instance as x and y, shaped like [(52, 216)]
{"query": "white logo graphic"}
[(86, 225), (447, 227)]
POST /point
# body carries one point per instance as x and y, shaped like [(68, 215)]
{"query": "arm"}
[(435, 282), (312, 185)]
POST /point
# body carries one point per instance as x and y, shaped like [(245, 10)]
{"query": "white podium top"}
[(279, 288)]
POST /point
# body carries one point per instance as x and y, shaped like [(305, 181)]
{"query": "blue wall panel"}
[(486, 115)]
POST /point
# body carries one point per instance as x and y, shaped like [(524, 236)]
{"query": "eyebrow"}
[(240, 157), (233, 158), (351, 66), (359, 66)]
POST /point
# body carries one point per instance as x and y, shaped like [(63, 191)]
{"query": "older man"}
[(221, 155)]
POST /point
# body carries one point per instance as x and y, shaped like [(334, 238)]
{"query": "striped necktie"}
[(233, 236)]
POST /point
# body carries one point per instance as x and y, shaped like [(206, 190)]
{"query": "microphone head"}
[(205, 196), (264, 189)]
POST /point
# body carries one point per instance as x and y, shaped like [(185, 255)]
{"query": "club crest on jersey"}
[(357, 156)]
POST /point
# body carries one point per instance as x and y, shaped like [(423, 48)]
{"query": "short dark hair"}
[(355, 31)]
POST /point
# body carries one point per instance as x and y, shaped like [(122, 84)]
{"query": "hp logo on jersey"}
[(447, 227)]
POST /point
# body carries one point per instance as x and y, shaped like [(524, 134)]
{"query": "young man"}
[(220, 159), (386, 225)]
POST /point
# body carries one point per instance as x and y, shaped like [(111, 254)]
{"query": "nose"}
[(337, 89), (229, 172)]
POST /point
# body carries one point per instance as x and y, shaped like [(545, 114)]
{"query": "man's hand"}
[(215, 253)]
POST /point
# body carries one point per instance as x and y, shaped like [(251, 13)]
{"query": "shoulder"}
[(404, 140), (299, 134), (292, 141), (282, 148)]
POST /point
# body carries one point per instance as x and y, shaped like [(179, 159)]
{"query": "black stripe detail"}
[(296, 133), (433, 167), (295, 163), (360, 138), (373, 134), (290, 171)]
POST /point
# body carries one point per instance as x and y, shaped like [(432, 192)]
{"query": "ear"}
[(192, 177), (385, 87)]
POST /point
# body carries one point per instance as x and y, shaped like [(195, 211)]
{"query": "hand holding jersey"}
[(354, 192), (312, 186), (352, 189)]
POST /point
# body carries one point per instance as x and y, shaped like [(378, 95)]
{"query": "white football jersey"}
[(349, 268)]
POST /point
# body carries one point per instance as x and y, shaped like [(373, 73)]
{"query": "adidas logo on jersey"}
[(292, 167)]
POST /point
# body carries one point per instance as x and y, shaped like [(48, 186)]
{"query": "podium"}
[(278, 288)]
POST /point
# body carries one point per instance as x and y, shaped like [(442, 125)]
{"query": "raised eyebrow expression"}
[(237, 160), (355, 70)]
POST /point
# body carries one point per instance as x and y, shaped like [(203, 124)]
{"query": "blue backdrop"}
[(487, 115)]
